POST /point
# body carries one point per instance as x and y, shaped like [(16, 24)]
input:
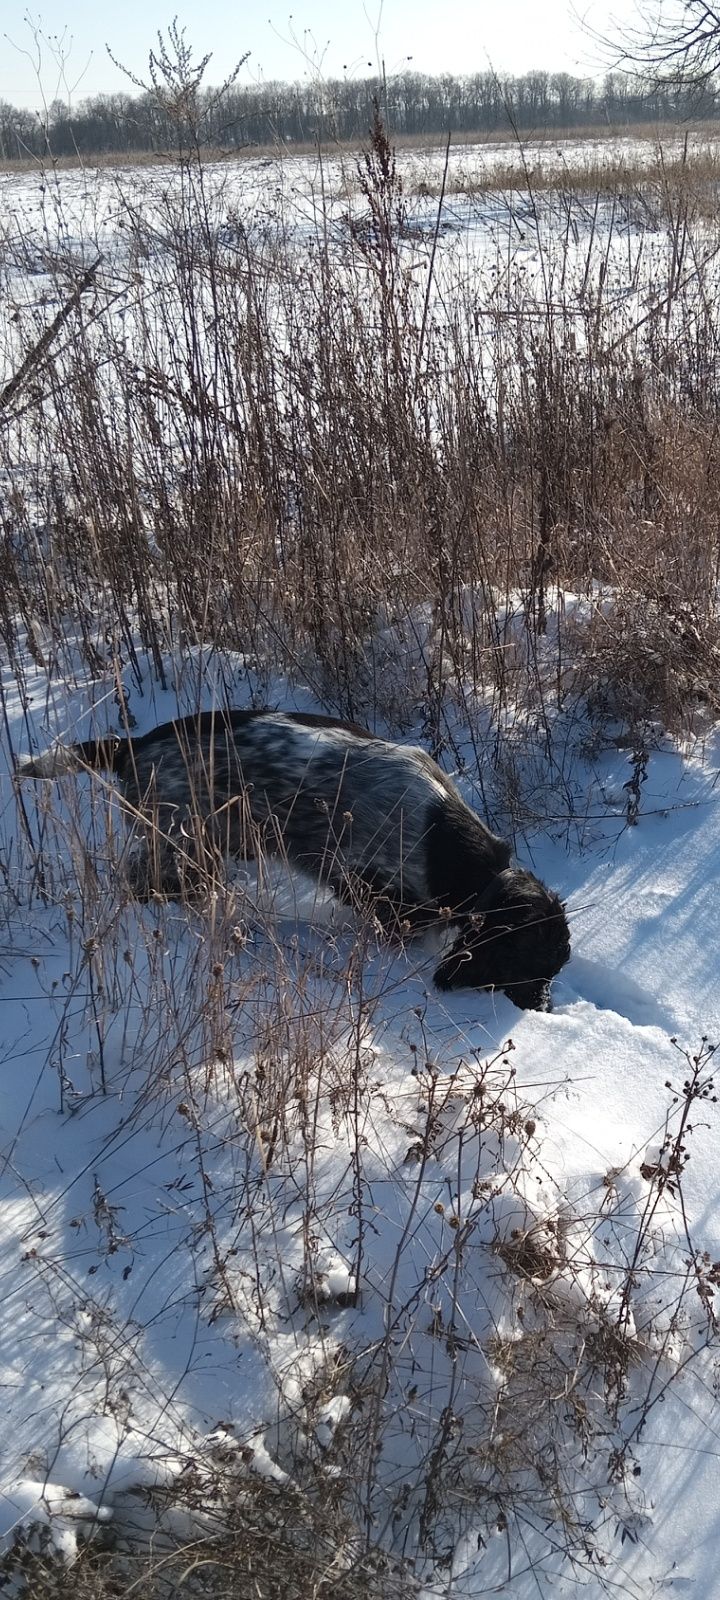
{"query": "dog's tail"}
[(100, 755)]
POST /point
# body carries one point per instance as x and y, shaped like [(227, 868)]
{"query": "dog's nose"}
[(533, 999)]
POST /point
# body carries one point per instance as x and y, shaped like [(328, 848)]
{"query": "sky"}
[(68, 56)]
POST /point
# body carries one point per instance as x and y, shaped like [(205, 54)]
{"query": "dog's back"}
[(332, 796)]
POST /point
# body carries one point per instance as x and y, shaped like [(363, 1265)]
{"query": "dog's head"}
[(516, 939)]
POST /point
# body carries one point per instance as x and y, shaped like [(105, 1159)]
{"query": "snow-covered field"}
[(507, 238), (273, 1207)]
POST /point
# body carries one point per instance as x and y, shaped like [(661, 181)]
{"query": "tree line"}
[(412, 104)]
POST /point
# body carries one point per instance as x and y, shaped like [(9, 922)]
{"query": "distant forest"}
[(412, 104)]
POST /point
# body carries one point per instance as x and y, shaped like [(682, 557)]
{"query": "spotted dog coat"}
[(372, 820)]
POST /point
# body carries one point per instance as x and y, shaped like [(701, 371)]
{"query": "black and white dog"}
[(374, 821)]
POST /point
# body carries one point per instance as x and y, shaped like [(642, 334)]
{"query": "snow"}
[(43, 1512), (176, 1268), (271, 1204), (502, 243)]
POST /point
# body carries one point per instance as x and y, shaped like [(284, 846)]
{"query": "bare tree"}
[(677, 42)]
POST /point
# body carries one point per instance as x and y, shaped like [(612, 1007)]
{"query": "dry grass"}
[(312, 454), (271, 1543), (646, 178)]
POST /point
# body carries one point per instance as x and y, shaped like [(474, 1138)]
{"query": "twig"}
[(34, 356), (431, 269)]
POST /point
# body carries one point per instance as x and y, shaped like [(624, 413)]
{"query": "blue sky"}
[(317, 35)]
